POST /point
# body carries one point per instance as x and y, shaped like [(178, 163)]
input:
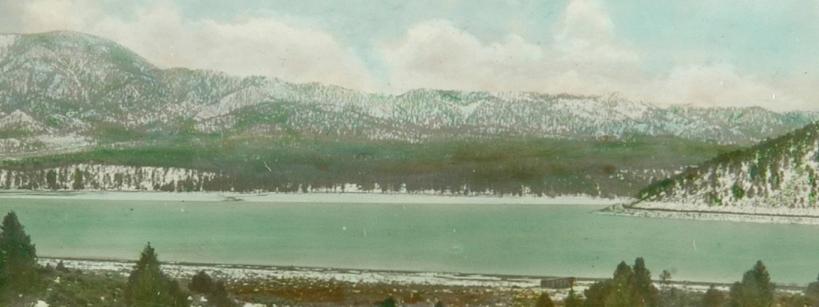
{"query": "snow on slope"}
[(96, 177), (81, 84), (777, 177)]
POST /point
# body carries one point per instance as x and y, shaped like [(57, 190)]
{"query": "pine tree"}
[(51, 180), (572, 300), (596, 294), (812, 291), (78, 180), (149, 287), (61, 267), (18, 257), (623, 288), (755, 290), (645, 291), (388, 302), (713, 298), (544, 300)]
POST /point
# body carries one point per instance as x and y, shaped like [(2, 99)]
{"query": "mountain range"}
[(67, 89), (78, 111)]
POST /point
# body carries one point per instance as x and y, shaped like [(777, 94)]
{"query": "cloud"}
[(580, 52), (585, 35), (719, 85), (244, 46), (584, 57)]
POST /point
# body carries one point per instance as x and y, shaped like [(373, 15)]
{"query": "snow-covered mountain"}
[(73, 86), (780, 176)]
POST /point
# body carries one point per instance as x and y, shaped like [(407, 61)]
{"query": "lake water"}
[(561, 240)]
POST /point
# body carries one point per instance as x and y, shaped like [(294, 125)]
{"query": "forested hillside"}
[(773, 176)]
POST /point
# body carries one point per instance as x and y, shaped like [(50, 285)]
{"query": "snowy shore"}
[(247, 273), (803, 216)]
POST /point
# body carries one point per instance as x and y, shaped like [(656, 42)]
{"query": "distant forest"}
[(502, 166)]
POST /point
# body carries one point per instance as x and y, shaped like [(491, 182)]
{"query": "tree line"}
[(632, 286)]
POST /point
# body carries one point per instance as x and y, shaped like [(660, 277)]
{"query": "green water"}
[(505, 239)]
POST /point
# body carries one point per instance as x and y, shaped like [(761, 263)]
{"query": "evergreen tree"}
[(51, 180), (18, 258), (812, 292), (755, 290), (61, 267), (645, 291), (388, 302), (572, 300), (596, 294), (149, 287), (78, 180), (544, 300), (713, 298), (623, 289)]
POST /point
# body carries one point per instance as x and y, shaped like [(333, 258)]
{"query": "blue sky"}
[(721, 53)]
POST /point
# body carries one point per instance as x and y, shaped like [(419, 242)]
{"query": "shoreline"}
[(710, 215), (243, 273), (315, 197)]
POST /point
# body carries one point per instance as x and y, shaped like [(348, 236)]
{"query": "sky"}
[(697, 52)]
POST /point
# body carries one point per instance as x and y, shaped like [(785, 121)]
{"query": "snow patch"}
[(6, 40)]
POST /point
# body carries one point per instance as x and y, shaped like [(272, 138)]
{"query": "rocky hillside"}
[(778, 176), (66, 90)]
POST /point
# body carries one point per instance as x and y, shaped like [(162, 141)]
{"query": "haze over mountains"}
[(68, 92)]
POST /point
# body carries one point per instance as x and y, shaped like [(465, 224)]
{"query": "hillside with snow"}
[(95, 91), (776, 177), (69, 99)]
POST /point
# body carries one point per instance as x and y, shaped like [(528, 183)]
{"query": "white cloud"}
[(581, 54), (584, 57), (436, 54), (250, 46), (585, 35), (719, 85)]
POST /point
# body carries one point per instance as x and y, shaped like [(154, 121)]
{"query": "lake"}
[(558, 240)]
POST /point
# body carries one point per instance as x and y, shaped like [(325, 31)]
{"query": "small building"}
[(557, 283)]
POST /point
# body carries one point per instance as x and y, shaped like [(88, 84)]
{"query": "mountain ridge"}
[(69, 99), (80, 84)]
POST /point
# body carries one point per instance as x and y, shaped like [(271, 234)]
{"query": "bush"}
[(215, 292), (201, 283), (544, 300)]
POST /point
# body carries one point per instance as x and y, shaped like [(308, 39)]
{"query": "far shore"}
[(316, 197), (675, 211)]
